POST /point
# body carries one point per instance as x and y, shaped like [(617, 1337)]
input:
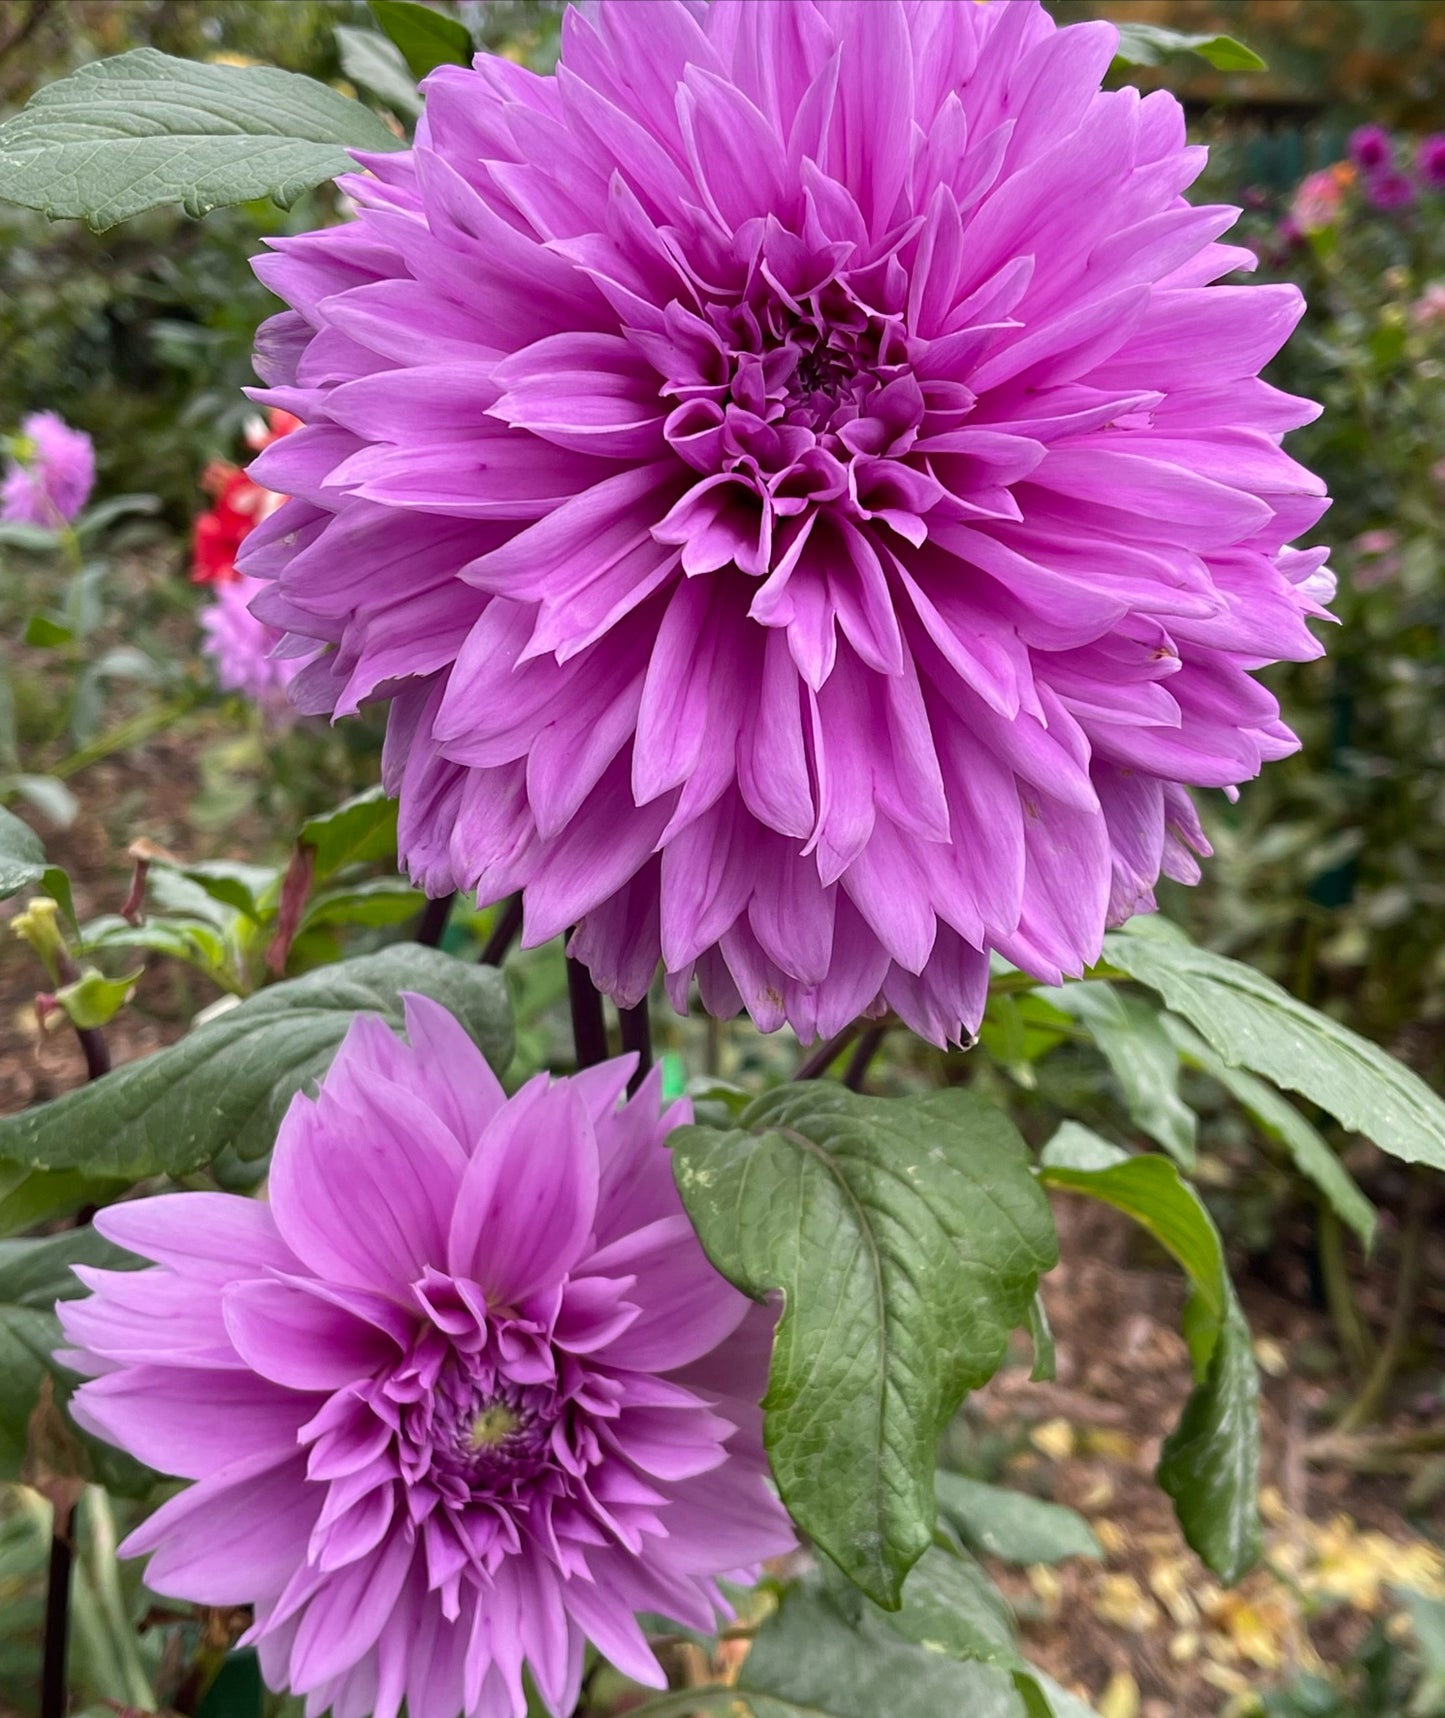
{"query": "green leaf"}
[(1143, 1059), (33, 1276), (1278, 1118), (361, 830), (379, 901), (1151, 45), (1046, 1360), (1210, 1463), (95, 1000), (907, 1237), (127, 134), (376, 64), (22, 858), (45, 634), (29, 1197), (227, 1084), (1251, 1023), (96, 519), (1148, 1189), (811, 1660), (995, 1522), (427, 38)]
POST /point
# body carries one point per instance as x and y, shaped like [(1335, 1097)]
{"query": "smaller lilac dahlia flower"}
[(1371, 148), (50, 474), (464, 1395), (243, 649), (1390, 190)]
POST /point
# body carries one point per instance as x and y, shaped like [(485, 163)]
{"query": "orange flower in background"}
[(240, 505), (1318, 200)]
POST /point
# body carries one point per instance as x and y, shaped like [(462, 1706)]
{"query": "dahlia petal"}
[(231, 1538), (536, 1163), (370, 1207), (294, 1339), (163, 1419), (207, 1237), (347, 1615)]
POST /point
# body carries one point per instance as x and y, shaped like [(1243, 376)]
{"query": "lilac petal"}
[(159, 1415), (231, 1538), (529, 1196)]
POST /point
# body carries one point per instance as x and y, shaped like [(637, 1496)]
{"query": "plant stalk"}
[(54, 1685), (589, 1029), (815, 1066), (432, 925), (867, 1048), (504, 932), (637, 1035)]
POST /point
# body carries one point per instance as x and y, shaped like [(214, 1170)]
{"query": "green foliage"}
[(1151, 44), (1252, 1023), (906, 1237), (426, 37), (995, 1522), (125, 135), (225, 1086), (1210, 1462), (22, 858)]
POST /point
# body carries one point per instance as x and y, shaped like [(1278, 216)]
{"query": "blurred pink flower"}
[(1430, 161), (50, 473), (1389, 190), (1371, 148), (1318, 200), (242, 648)]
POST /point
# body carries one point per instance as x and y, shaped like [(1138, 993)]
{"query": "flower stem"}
[(509, 922), (637, 1035), (589, 1030), (816, 1065), (432, 925), (862, 1056), (54, 1689), (1367, 1405)]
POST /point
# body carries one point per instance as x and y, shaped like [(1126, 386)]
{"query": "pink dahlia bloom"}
[(810, 506), (465, 1394), (50, 474), (243, 648)]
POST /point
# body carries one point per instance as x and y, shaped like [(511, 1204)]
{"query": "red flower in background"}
[(240, 505)]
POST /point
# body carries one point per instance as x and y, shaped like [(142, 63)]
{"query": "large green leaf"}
[(996, 1522), (123, 135), (427, 38), (1277, 1117), (1144, 1060), (22, 858), (226, 1085), (1210, 1462), (1152, 44), (906, 1237), (33, 1276), (1251, 1023)]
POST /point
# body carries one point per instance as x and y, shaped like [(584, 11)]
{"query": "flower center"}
[(493, 1425)]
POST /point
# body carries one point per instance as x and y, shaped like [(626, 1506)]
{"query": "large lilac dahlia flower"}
[(811, 510), (463, 1395)]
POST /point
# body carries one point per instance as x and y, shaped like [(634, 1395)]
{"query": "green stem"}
[(127, 733), (1367, 1405), (1354, 1338)]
